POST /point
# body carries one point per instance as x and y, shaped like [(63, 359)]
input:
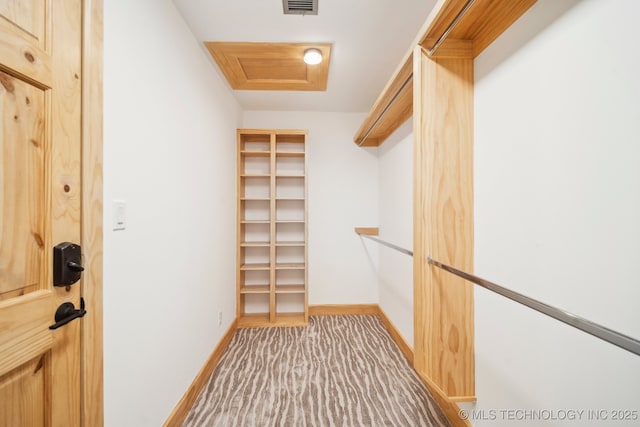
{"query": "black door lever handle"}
[(67, 312)]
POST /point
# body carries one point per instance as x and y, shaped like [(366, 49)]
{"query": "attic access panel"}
[(271, 66)]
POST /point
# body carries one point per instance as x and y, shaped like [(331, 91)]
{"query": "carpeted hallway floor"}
[(338, 371)]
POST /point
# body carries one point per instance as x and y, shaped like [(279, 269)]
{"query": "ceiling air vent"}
[(300, 7)]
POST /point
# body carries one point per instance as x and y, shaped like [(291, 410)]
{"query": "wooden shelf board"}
[(253, 320), (290, 319), (290, 266), (255, 289), (249, 153), (290, 199), (255, 199), (297, 137), (255, 175), (290, 221), (255, 244), (257, 320), (252, 221), (284, 175), (249, 267), (290, 289), (290, 153), (371, 231), (292, 244)]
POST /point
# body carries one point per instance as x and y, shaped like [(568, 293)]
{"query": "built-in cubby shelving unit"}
[(272, 228)]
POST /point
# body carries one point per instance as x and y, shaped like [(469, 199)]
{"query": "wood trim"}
[(343, 309), (262, 320), (485, 21), (179, 413), (398, 113), (270, 66), (91, 330), (402, 344), (370, 231), (449, 407), (272, 228), (451, 48), (239, 274), (482, 23), (306, 230)]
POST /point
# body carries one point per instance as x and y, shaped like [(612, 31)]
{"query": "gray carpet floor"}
[(338, 371)]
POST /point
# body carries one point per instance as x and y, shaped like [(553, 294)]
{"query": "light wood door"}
[(40, 206)]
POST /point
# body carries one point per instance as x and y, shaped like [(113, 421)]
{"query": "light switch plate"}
[(119, 215)]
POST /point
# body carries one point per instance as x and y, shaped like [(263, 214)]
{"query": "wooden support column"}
[(443, 218)]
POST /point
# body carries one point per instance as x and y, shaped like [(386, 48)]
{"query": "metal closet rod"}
[(387, 244), (609, 335), (391, 102), (430, 52), (450, 28)]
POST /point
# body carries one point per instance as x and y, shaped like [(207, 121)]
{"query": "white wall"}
[(169, 152), (343, 194), (396, 226), (557, 203)]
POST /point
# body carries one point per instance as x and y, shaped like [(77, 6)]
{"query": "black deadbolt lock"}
[(67, 264)]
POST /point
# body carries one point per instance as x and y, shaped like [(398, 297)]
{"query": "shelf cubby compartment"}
[(256, 303), (255, 188), (255, 255), (290, 281), (290, 308), (255, 210), (290, 209), (290, 188), (290, 255), (256, 164), (290, 231), (255, 232), (259, 278), (289, 165), (290, 145), (254, 143)]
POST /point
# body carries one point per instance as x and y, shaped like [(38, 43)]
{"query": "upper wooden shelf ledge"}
[(464, 28)]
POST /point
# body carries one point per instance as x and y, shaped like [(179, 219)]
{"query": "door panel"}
[(27, 384), (27, 15), (25, 26), (22, 192), (40, 200)]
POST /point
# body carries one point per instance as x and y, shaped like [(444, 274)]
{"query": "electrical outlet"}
[(219, 318)]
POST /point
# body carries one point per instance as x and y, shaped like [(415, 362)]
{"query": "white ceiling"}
[(369, 39)]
